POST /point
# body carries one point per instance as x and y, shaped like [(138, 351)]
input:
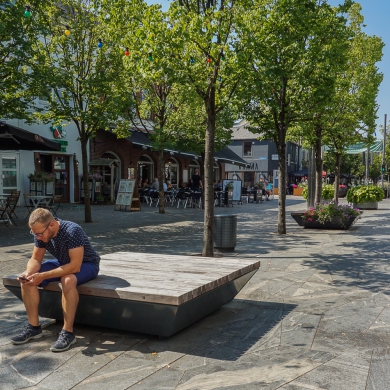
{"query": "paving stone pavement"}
[(315, 316)]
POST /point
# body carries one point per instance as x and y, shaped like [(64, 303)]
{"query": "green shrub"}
[(365, 194), (327, 192)]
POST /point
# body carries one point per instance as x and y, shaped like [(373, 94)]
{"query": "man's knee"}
[(68, 283)]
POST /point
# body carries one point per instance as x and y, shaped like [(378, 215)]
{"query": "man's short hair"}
[(40, 215)]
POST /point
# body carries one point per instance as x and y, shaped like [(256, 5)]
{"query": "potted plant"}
[(342, 190), (298, 191), (49, 177), (327, 216), (365, 197), (37, 176), (95, 176), (327, 192), (229, 186), (100, 199)]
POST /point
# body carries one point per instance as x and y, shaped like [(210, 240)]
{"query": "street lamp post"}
[(384, 148)]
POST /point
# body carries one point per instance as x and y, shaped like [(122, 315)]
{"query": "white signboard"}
[(275, 157)]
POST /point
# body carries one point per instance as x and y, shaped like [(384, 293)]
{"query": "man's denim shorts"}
[(88, 271)]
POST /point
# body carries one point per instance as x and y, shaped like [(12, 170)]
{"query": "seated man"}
[(155, 185), (76, 262)]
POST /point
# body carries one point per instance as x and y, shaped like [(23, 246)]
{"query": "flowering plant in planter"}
[(49, 176), (325, 212), (95, 176), (37, 176), (365, 194)]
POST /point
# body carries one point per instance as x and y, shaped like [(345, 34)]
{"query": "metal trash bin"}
[(225, 232)]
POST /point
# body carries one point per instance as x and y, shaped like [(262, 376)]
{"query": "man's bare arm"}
[(76, 258)]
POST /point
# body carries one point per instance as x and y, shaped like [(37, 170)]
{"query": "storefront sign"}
[(64, 144), (275, 157), (263, 158)]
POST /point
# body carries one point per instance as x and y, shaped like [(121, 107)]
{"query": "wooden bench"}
[(150, 293)]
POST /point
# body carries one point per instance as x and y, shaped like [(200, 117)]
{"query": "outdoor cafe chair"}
[(28, 203), (7, 209), (54, 204), (12, 201), (144, 195), (154, 197), (244, 195), (183, 197)]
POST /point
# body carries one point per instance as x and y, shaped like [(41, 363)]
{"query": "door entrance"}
[(59, 165), (9, 173)]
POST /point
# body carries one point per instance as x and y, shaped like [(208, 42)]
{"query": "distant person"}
[(269, 187), (145, 184), (155, 185), (75, 262), (197, 181), (181, 184), (169, 185)]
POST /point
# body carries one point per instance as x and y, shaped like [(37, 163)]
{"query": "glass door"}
[(61, 170), (9, 173)]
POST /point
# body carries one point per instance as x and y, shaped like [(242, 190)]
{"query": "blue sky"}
[(376, 16)]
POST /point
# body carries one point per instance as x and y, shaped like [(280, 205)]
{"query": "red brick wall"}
[(105, 142)]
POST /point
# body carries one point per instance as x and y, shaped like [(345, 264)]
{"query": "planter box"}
[(366, 206), (298, 191), (343, 192), (276, 191), (334, 224)]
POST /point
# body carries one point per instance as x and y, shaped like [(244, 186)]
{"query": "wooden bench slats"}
[(154, 278)]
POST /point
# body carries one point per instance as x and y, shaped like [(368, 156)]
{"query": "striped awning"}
[(361, 147)]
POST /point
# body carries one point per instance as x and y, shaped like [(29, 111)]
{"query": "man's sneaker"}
[(28, 333), (65, 340)]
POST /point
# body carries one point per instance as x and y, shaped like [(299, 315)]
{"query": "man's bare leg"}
[(30, 295), (70, 300)]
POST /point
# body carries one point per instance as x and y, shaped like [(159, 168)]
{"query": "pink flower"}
[(310, 219)]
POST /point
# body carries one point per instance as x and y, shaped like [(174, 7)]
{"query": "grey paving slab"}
[(315, 316), (379, 374)]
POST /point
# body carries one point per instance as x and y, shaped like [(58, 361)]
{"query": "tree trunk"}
[(161, 177), (282, 184), (337, 177), (84, 156), (208, 233), (318, 151)]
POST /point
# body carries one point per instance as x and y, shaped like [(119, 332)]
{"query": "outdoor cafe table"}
[(39, 200)]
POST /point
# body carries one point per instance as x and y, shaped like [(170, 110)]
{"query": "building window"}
[(247, 146)]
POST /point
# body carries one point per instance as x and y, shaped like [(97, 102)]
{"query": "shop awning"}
[(303, 172), (360, 147), (14, 138), (141, 140), (227, 155)]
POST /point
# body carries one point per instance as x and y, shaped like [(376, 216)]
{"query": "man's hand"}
[(35, 279), (23, 278)]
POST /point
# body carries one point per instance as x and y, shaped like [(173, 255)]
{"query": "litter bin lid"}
[(225, 215)]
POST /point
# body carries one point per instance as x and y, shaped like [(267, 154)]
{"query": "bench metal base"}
[(142, 317)]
